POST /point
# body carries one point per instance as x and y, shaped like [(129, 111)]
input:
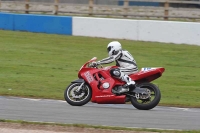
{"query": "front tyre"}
[(149, 100), (76, 96)]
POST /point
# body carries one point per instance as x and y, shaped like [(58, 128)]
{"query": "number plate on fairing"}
[(88, 77)]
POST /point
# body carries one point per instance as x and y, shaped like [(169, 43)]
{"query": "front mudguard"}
[(78, 81), (81, 81)]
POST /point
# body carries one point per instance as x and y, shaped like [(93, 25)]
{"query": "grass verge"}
[(65, 127)]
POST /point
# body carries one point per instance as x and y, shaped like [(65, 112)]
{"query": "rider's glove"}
[(95, 63)]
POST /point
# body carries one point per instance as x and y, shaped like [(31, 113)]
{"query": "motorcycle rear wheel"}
[(77, 98), (149, 103)]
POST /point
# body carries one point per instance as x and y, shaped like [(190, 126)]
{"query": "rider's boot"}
[(129, 82)]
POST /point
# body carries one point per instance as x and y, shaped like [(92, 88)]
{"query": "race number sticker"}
[(88, 76), (146, 69)]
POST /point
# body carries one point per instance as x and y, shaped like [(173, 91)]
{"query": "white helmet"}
[(113, 48)]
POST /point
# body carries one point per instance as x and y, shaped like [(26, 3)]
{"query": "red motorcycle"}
[(95, 84)]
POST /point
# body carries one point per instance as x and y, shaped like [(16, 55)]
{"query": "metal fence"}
[(136, 9)]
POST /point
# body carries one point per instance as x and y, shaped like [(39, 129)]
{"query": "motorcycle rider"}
[(125, 62)]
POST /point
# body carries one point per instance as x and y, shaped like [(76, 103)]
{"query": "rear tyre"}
[(146, 102), (76, 97)]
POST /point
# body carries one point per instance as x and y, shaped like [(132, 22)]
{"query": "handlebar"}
[(96, 66)]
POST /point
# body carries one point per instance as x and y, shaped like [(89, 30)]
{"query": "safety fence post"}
[(166, 10), (91, 4), (126, 4), (27, 6), (56, 2), (0, 5)]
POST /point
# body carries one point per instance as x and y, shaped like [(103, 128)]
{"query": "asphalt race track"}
[(121, 115)]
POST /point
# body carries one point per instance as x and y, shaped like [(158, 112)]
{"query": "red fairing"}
[(96, 78), (101, 82), (147, 75)]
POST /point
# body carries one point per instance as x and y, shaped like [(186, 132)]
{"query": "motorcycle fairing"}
[(147, 74), (96, 78), (105, 96)]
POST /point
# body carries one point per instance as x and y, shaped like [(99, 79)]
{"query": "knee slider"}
[(115, 72)]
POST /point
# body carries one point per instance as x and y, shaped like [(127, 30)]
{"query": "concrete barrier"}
[(36, 23), (140, 30), (6, 21), (107, 28), (169, 32)]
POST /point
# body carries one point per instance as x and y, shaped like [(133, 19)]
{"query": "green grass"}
[(42, 65), (26, 124)]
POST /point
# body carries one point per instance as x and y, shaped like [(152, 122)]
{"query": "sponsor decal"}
[(147, 69), (88, 77)]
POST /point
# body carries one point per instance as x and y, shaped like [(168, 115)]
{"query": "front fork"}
[(80, 86), (82, 81)]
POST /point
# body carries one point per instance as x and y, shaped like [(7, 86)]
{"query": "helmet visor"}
[(109, 48)]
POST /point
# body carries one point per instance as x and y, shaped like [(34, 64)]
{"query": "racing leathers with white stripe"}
[(126, 66), (124, 60)]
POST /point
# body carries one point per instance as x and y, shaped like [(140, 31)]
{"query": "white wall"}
[(141, 30), (169, 32), (107, 28)]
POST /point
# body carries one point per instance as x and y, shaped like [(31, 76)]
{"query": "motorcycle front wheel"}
[(76, 96), (149, 100)]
